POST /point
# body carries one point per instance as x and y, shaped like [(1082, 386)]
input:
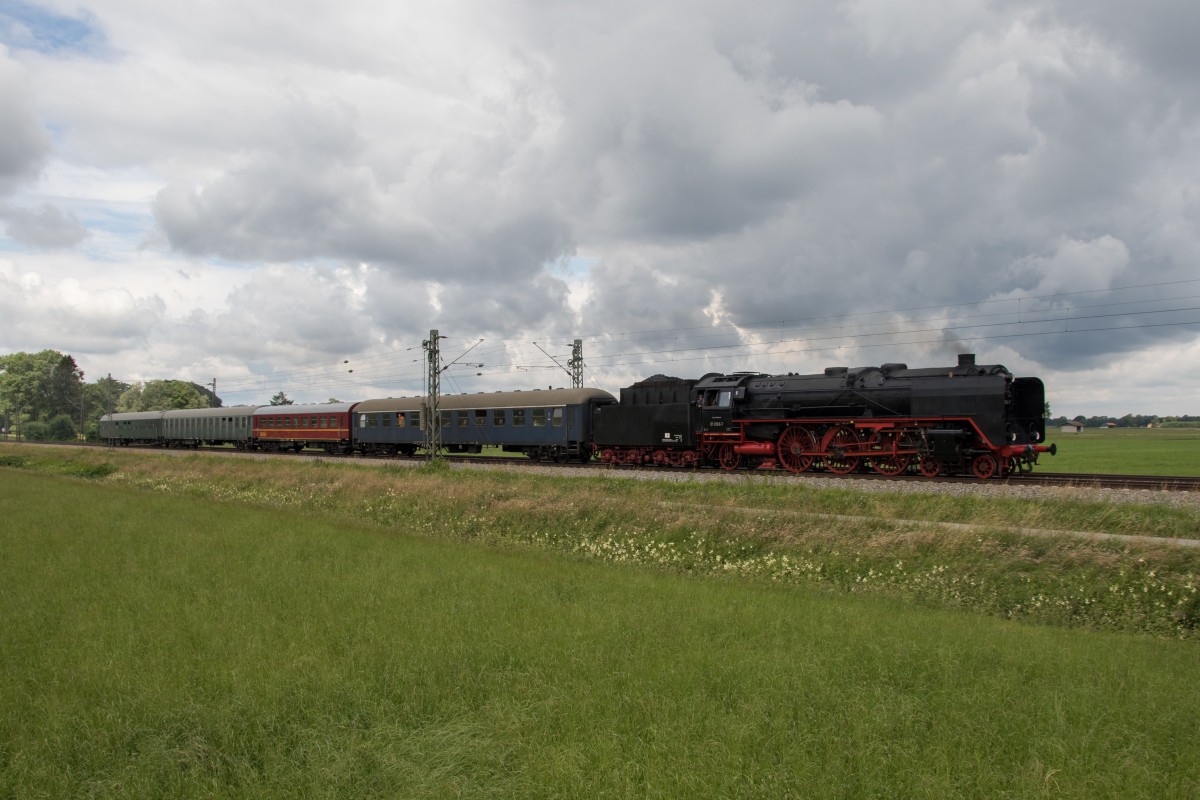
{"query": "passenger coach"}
[(553, 424), (136, 427), (192, 427), (325, 426)]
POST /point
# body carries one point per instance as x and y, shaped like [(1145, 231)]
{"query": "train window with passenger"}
[(498, 418), (558, 417), (400, 420), (518, 417), (539, 418), (464, 419)]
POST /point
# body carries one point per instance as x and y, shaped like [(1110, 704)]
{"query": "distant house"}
[(1071, 426)]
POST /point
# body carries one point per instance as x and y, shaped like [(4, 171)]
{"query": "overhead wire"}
[(802, 335)]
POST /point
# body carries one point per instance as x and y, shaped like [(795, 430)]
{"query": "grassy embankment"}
[(197, 627)]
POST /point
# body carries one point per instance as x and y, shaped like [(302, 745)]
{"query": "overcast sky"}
[(272, 194)]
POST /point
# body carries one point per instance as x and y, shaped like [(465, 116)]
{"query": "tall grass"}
[(173, 646), (913, 547)]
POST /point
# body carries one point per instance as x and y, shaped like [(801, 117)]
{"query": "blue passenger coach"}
[(553, 424)]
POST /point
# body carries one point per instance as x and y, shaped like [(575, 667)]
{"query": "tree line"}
[(1131, 421), (43, 396)]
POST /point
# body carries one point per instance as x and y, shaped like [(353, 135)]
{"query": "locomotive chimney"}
[(966, 359)]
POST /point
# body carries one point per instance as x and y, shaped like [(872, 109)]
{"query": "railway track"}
[(1156, 483)]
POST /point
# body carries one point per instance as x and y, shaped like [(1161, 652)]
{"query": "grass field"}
[(161, 642), (1125, 451)]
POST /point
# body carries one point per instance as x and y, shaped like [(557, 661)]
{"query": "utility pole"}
[(433, 388), (576, 364)]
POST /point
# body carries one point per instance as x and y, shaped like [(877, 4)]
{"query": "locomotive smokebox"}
[(966, 359)]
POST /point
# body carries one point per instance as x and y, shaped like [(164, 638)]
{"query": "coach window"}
[(519, 417), (385, 420), (464, 419), (371, 420), (539, 418), (498, 418), (400, 420), (415, 419), (558, 417), (480, 418)]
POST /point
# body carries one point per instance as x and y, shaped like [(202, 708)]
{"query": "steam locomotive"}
[(969, 418)]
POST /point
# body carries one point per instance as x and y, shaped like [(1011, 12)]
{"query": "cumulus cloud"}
[(64, 314), (774, 187), (25, 144)]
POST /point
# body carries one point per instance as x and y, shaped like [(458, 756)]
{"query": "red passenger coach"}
[(325, 426)]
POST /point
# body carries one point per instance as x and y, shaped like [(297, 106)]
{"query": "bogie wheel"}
[(887, 442), (984, 466), (729, 459), (793, 445), (836, 460), (930, 467)]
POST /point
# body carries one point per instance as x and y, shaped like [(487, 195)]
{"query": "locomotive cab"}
[(717, 397)]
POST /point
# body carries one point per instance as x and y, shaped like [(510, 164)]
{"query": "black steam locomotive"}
[(973, 419)]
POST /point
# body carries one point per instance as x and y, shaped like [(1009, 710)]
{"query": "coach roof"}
[(311, 408), (532, 398)]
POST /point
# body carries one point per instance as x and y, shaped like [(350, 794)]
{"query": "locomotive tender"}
[(967, 418)]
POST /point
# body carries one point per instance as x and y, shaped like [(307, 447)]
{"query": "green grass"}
[(163, 645), (1125, 451), (1007, 558)]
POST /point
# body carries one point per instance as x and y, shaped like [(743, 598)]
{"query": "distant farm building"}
[(1071, 426)]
